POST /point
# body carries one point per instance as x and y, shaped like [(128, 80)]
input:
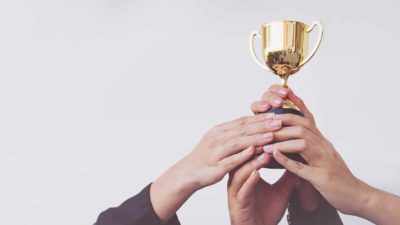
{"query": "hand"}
[(222, 149), (253, 201), (326, 170), (309, 198)]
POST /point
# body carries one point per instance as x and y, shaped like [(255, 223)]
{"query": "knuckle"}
[(285, 160), (242, 120), (288, 118), (229, 163), (233, 144), (254, 105), (260, 117), (298, 166), (301, 131), (267, 96), (241, 131), (213, 140), (303, 144)]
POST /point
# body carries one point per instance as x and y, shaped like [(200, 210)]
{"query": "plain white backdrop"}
[(99, 97)]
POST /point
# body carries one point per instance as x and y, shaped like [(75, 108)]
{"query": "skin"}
[(327, 171), (309, 198), (221, 150), (253, 201)]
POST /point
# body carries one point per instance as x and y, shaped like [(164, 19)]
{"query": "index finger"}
[(243, 121)]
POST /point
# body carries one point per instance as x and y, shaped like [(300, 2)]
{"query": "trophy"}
[(285, 51)]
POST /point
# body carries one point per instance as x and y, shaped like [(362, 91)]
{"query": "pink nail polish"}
[(283, 92), (261, 157), (277, 101), (264, 106)]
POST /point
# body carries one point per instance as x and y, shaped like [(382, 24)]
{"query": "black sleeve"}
[(137, 210), (326, 214)]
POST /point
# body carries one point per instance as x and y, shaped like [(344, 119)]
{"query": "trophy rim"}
[(283, 20)]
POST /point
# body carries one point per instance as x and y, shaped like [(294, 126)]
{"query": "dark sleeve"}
[(137, 210), (326, 214)]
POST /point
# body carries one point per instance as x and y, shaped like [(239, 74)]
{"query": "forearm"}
[(382, 208), (170, 191)]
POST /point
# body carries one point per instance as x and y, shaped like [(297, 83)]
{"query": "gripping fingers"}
[(238, 178), (236, 160), (279, 90), (260, 107), (238, 144), (290, 146), (294, 120), (301, 146), (254, 128), (274, 99), (243, 121), (293, 132), (300, 103), (304, 171)]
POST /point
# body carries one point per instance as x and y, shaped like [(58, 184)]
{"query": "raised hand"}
[(309, 198), (253, 201), (222, 149), (327, 171)]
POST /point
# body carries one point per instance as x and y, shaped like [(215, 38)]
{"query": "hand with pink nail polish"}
[(253, 201), (309, 198), (327, 171), (221, 150), (272, 98)]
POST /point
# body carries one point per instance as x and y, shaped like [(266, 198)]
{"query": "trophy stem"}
[(284, 79)]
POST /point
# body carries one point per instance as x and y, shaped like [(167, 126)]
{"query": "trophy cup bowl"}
[(284, 52)]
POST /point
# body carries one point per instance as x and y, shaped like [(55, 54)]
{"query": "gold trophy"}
[(285, 51)]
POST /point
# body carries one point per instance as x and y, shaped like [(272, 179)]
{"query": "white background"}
[(99, 97)]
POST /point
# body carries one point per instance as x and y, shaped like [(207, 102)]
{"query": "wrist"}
[(368, 200), (177, 181), (169, 192), (185, 177)]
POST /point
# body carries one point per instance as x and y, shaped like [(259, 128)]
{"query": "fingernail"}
[(277, 101), (264, 106), (261, 157), (268, 148), (250, 150), (283, 92), (275, 123), (267, 135)]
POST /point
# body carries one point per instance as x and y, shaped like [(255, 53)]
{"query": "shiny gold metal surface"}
[(284, 47)]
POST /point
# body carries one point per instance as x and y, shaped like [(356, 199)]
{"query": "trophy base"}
[(273, 164)]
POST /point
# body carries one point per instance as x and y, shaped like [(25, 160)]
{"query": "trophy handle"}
[(321, 32), (253, 52)]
